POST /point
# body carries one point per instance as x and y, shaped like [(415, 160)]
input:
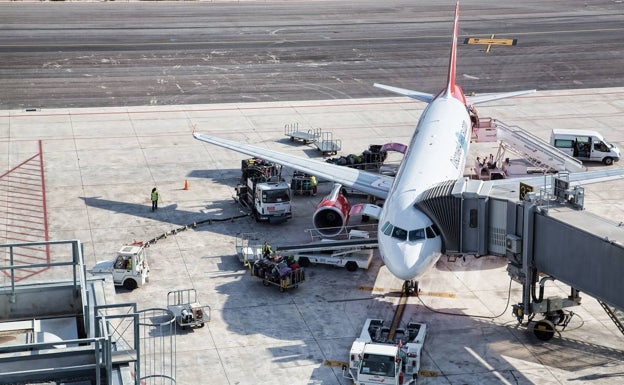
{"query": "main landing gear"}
[(410, 287)]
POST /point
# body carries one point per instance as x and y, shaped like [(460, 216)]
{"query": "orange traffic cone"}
[(186, 186)]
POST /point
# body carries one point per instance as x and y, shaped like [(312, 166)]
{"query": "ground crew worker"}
[(154, 199), (129, 264), (314, 183), (266, 250)]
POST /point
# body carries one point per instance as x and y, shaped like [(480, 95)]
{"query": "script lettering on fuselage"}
[(460, 149)]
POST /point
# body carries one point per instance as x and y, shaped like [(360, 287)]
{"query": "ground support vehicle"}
[(248, 247), (327, 144), (188, 312), (294, 133), (585, 145), (301, 184), (370, 159), (353, 253), (129, 269), (282, 272), (382, 356), (263, 192)]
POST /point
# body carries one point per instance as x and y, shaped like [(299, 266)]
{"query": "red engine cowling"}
[(332, 213)]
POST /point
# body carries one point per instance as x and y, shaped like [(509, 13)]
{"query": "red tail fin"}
[(452, 89)]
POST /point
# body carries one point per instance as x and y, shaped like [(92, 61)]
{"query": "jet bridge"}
[(543, 234)]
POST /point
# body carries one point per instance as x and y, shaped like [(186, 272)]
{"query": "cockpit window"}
[(387, 228), (399, 233), (412, 235), (416, 235)]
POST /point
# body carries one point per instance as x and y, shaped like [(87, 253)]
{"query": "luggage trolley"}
[(283, 272)]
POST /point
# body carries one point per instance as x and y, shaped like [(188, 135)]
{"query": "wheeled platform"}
[(281, 272), (187, 310), (308, 136)]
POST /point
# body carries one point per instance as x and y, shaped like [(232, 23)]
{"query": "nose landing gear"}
[(410, 287)]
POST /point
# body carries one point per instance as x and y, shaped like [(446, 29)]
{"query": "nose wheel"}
[(410, 287)]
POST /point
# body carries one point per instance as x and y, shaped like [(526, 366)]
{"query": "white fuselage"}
[(409, 242)]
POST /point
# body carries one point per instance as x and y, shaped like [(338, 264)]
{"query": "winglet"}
[(452, 89)]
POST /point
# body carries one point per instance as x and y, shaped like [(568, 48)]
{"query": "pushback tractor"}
[(129, 269), (381, 357)]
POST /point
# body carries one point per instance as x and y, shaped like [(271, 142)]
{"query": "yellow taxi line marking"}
[(490, 41), (335, 363), (428, 373), (439, 294)]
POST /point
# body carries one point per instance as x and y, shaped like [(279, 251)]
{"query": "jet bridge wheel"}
[(544, 330)]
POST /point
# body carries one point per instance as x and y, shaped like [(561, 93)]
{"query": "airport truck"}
[(263, 192), (129, 269), (379, 356)]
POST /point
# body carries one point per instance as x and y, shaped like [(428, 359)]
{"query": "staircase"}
[(616, 315), (535, 150)]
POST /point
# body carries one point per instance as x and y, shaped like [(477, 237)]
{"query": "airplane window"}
[(387, 228), (416, 235), (399, 233), (430, 233)]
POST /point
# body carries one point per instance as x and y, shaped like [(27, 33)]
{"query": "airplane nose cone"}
[(409, 260)]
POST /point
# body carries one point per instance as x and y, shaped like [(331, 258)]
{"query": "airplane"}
[(410, 243)]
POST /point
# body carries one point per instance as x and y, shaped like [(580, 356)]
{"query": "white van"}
[(585, 145)]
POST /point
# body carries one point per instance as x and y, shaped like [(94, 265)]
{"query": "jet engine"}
[(332, 213)]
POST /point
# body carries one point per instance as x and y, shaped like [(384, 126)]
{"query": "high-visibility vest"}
[(154, 196)]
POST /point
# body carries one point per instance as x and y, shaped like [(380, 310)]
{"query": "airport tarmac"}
[(99, 165)]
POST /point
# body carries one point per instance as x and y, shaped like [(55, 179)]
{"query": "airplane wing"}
[(367, 182)]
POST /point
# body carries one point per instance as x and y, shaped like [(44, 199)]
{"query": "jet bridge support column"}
[(529, 273)]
